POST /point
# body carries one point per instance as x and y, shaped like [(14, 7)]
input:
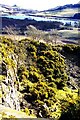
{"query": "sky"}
[(38, 4)]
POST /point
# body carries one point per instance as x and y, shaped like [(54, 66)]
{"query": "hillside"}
[(6, 10), (37, 78), (68, 10)]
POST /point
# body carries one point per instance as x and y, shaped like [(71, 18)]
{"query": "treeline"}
[(21, 24)]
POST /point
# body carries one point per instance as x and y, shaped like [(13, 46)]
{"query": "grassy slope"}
[(63, 13)]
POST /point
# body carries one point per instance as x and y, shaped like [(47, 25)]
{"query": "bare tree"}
[(31, 32), (34, 33), (46, 36), (12, 32)]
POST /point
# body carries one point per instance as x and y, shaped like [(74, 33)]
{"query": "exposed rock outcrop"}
[(10, 97)]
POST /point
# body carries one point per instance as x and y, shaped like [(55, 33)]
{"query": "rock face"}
[(10, 97)]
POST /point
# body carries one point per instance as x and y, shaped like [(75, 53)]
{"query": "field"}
[(70, 34)]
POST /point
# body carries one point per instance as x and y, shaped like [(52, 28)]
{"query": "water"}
[(21, 17)]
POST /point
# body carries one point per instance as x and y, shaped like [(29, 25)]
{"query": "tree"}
[(48, 37), (34, 33), (12, 32)]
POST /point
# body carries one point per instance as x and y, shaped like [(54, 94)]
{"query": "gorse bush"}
[(49, 79), (71, 49), (42, 75)]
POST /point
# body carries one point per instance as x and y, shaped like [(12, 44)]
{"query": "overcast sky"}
[(38, 4)]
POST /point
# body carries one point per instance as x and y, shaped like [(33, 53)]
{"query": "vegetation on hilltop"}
[(40, 77)]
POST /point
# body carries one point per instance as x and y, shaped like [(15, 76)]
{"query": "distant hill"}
[(68, 10), (68, 6), (13, 10)]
